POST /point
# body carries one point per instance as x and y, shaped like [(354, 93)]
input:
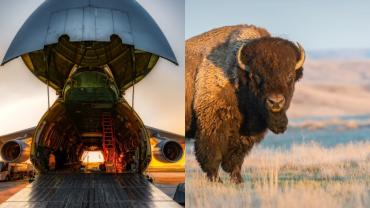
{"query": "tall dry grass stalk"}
[(306, 175)]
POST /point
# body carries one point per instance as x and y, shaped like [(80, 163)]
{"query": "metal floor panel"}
[(90, 190)]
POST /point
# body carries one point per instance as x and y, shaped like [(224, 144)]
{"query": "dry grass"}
[(304, 176)]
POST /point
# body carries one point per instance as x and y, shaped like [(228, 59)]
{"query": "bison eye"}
[(257, 79), (291, 78)]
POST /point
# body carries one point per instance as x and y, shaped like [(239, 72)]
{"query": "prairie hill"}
[(333, 87)]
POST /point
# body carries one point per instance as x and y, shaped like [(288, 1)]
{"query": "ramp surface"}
[(90, 190)]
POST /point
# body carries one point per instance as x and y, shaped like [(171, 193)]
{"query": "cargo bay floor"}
[(90, 190)]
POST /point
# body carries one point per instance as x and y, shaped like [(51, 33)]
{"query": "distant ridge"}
[(339, 54)]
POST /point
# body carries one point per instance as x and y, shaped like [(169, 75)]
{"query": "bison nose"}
[(275, 102)]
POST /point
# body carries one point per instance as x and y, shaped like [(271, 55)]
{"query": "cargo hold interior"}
[(68, 132)]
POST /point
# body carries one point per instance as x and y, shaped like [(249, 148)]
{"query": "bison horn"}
[(239, 59), (302, 57)]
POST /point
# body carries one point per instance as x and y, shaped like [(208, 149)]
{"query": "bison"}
[(239, 83)]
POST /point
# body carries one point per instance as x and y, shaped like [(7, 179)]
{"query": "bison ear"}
[(298, 74), (239, 55)]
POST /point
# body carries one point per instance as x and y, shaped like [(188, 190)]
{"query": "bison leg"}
[(235, 176), (232, 163), (209, 158)]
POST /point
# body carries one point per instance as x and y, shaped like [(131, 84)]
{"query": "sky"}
[(159, 98), (316, 24)]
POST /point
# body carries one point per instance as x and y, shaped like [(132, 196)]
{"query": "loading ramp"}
[(90, 190)]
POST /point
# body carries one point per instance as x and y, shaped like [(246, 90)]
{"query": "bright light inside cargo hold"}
[(92, 157)]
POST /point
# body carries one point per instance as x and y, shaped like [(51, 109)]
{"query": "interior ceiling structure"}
[(65, 56)]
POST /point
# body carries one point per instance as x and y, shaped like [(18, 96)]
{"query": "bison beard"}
[(277, 122), (256, 118), (235, 79)]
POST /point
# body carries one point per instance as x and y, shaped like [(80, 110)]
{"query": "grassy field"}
[(306, 175)]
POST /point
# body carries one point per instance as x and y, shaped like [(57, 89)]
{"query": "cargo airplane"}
[(90, 52)]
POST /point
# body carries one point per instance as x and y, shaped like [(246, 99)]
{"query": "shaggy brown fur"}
[(225, 105)]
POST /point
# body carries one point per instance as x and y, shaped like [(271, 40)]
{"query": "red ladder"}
[(109, 143)]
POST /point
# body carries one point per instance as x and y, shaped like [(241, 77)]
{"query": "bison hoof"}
[(237, 180), (215, 179), (219, 180)]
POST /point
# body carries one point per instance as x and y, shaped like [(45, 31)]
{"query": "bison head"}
[(269, 68)]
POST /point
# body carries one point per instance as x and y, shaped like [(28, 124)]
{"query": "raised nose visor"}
[(63, 35), (92, 20)]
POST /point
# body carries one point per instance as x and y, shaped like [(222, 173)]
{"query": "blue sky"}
[(325, 24)]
